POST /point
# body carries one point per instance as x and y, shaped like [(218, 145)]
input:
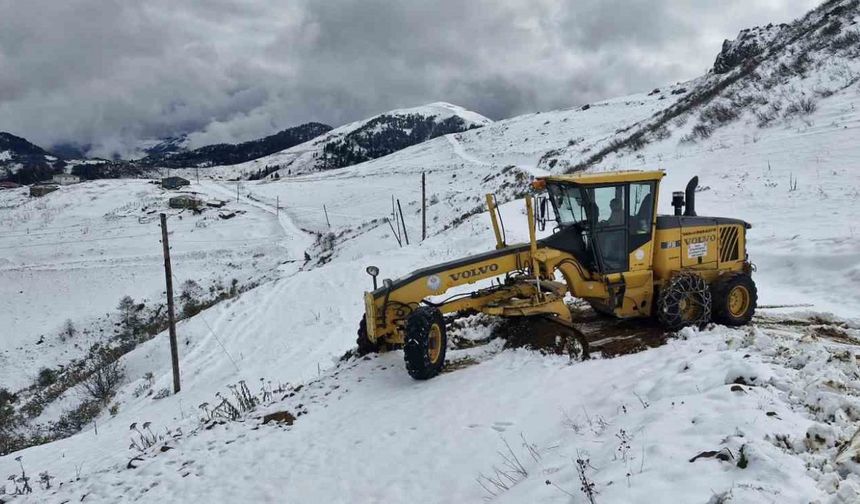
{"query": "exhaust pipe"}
[(678, 202), (690, 208)]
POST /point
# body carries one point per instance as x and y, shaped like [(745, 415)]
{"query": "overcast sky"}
[(112, 72)]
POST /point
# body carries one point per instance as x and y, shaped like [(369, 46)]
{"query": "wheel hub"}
[(739, 300), (434, 347), (690, 309)]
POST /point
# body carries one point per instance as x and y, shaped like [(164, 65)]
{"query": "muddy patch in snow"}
[(608, 336), (613, 337)]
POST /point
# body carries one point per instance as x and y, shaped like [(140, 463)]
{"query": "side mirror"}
[(373, 271), (543, 203)]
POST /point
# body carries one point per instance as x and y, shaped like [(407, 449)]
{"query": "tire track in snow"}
[(461, 152)]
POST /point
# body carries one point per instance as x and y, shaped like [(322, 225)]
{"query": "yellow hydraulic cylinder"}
[(530, 211), (491, 206)]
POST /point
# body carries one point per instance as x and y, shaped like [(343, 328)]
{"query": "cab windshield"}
[(568, 203)]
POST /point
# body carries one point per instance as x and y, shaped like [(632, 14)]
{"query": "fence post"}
[(423, 206)]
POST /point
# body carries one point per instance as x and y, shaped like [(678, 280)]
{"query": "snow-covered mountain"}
[(174, 154), (24, 162), (368, 139), (771, 76), (164, 147), (765, 413)]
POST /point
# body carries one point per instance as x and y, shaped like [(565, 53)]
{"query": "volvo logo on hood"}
[(474, 272)]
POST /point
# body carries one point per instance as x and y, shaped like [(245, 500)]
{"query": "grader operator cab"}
[(609, 247)]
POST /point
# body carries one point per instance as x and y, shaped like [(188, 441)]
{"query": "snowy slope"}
[(777, 401), (74, 253)]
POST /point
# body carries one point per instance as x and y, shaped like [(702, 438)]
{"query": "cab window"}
[(641, 208), (609, 209), (568, 204), (609, 205)]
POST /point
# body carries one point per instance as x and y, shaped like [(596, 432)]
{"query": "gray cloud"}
[(112, 72)]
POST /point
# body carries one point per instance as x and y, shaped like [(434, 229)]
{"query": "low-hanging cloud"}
[(109, 73)]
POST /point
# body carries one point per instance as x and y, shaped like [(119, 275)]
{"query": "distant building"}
[(38, 191), (186, 201), (174, 182), (65, 179)]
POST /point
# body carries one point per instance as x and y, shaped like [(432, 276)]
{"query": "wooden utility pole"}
[(326, 217), (171, 319), (423, 206), (237, 191), (197, 173)]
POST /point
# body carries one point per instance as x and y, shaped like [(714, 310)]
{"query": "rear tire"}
[(684, 301), (426, 340), (735, 299), (365, 346)]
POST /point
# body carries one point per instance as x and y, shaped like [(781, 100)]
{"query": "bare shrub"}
[(7, 411), (801, 106), (511, 472), (327, 241), (129, 314), (45, 480), (143, 437), (637, 143), (661, 133), (768, 114), (719, 114), (742, 101), (190, 298), (68, 331), (146, 386), (242, 402), (587, 486), (801, 63), (104, 379), (699, 131), (74, 420), (850, 38), (23, 480), (47, 377), (832, 28)]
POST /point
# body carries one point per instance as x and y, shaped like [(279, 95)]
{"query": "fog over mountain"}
[(111, 74)]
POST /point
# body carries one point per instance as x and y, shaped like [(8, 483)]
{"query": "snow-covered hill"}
[(24, 162), (761, 414), (370, 138), (173, 153)]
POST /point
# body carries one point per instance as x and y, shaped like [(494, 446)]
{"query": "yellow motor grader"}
[(609, 247)]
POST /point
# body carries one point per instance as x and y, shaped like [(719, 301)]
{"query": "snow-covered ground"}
[(371, 435), (71, 255), (766, 413)]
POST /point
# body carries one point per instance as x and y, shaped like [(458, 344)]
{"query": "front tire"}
[(426, 341), (735, 299), (684, 301), (365, 346)]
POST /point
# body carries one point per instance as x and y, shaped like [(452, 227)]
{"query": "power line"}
[(191, 228), (29, 245), (271, 237), (214, 334)]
